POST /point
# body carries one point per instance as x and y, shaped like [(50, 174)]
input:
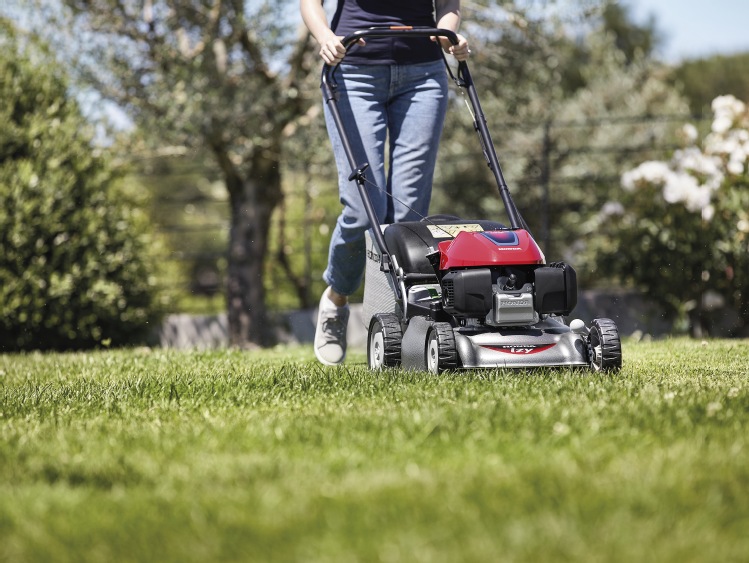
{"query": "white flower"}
[(629, 180), (695, 172), (713, 408), (735, 167), (694, 160), (721, 124), (740, 153), (651, 171), (715, 182), (688, 133), (719, 144), (612, 208), (698, 198), (678, 187), (727, 109), (728, 106), (681, 187)]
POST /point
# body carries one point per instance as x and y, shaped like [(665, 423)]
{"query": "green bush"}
[(681, 228), (76, 261)]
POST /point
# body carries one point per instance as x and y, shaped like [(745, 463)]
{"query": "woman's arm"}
[(447, 14), (313, 14)]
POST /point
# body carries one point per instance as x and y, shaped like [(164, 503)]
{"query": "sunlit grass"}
[(173, 456)]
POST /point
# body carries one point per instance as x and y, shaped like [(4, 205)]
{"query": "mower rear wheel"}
[(384, 341), (604, 346), (441, 350)]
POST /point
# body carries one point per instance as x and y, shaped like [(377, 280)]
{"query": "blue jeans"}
[(401, 107)]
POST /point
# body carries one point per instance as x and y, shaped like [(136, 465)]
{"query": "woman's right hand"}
[(332, 50)]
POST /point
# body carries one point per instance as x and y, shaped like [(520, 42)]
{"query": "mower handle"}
[(396, 30), (393, 31)]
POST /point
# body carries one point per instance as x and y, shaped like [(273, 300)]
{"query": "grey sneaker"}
[(330, 334)]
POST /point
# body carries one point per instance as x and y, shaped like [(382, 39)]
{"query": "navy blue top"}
[(353, 15)]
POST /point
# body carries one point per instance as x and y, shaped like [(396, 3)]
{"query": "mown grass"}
[(145, 455)]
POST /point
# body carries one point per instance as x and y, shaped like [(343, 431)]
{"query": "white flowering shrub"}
[(681, 228)]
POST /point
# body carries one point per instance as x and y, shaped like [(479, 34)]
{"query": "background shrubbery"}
[(681, 228), (77, 264)]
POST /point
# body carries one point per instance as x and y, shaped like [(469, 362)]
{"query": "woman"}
[(393, 98)]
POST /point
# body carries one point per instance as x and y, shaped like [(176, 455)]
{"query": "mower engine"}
[(499, 278), (476, 295)]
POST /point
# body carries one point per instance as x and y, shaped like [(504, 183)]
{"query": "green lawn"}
[(142, 455)]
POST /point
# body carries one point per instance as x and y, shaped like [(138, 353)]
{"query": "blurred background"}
[(169, 157)]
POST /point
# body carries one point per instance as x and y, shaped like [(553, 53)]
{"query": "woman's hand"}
[(332, 50), (447, 14), (460, 51)]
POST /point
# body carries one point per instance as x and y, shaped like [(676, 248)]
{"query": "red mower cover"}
[(490, 248)]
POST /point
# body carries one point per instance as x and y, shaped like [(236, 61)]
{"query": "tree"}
[(225, 76), (702, 80), (188, 206), (77, 265), (631, 39)]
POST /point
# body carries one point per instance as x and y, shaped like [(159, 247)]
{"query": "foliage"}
[(227, 456), (76, 268), (188, 202), (702, 80), (634, 41), (597, 132), (681, 227)]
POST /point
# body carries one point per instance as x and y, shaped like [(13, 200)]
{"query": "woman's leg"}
[(416, 115), (362, 104)]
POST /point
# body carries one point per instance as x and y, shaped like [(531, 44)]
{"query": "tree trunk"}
[(300, 283), (253, 197)]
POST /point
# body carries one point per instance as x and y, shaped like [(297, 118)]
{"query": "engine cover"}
[(556, 289), (490, 248), (467, 293)]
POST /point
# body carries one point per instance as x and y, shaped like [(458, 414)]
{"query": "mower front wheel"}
[(441, 350), (604, 346), (384, 341)]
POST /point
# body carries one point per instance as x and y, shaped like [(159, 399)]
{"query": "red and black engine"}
[(486, 272)]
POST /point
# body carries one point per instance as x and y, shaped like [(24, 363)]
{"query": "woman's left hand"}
[(459, 51)]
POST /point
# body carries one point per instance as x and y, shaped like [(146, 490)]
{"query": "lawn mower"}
[(446, 293)]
